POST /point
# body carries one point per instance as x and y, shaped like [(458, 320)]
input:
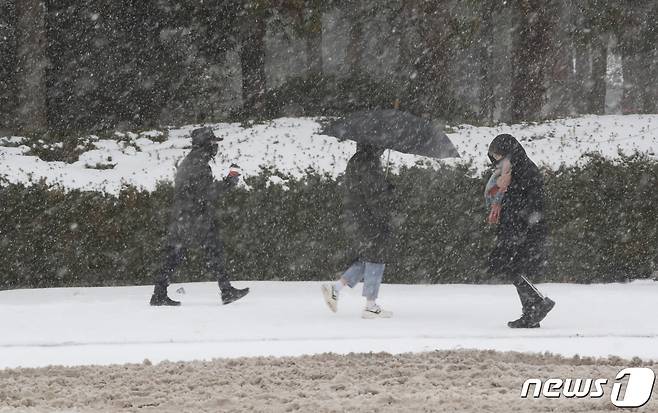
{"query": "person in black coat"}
[(366, 205), (519, 251), (366, 216), (193, 223)]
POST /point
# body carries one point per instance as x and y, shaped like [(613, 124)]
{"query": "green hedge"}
[(603, 218)]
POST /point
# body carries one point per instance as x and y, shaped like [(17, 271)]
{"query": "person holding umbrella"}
[(366, 218), (367, 193), (521, 233)]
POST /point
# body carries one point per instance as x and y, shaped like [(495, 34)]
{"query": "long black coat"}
[(366, 201), (195, 196), (521, 235)]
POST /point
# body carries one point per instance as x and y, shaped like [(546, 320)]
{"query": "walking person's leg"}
[(215, 263), (351, 277), (174, 255), (526, 260), (528, 293), (534, 305), (373, 275)]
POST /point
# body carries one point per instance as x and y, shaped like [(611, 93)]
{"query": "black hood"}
[(507, 146)]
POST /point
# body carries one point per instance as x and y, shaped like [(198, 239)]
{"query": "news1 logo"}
[(636, 394)]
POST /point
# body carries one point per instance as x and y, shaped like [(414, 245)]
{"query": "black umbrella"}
[(393, 129)]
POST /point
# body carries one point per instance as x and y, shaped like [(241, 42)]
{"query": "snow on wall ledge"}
[(293, 145)]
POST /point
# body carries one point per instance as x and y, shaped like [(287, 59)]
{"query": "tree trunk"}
[(432, 64), (634, 93), (486, 96), (502, 55), (560, 64), (651, 102), (404, 27), (596, 96), (652, 90), (531, 44), (629, 37), (31, 63), (581, 76), (638, 47), (355, 46), (8, 57), (252, 63), (314, 45)]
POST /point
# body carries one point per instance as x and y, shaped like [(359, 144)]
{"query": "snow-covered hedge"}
[(603, 218)]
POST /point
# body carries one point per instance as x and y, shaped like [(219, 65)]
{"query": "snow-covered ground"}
[(78, 326), (293, 145)]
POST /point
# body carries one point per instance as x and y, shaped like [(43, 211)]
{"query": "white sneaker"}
[(376, 312), (330, 296)]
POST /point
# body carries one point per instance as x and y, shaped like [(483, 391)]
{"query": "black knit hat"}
[(204, 136)]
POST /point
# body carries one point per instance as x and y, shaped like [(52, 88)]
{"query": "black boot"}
[(160, 298), (530, 300), (525, 321), (541, 309), (534, 314), (231, 294)]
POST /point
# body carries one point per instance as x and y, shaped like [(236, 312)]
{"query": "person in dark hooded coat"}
[(366, 216), (193, 223), (519, 251)]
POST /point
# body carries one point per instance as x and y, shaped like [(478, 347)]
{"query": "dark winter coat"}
[(522, 231), (195, 195), (367, 200)]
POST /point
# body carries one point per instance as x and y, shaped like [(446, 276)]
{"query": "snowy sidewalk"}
[(77, 326)]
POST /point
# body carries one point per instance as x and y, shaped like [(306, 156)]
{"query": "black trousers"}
[(212, 248), (513, 257), (528, 293)]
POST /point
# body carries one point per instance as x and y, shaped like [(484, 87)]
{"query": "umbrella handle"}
[(396, 106)]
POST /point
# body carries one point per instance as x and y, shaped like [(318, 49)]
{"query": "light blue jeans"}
[(370, 273)]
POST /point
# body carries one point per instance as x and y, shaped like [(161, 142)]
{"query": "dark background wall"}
[(97, 64)]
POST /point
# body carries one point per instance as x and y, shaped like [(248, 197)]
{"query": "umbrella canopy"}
[(393, 129)]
